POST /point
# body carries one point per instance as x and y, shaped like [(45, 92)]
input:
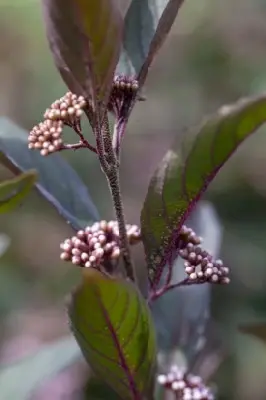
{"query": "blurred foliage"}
[(215, 54)]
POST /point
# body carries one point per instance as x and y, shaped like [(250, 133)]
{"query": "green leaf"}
[(112, 324), (85, 39), (97, 390), (20, 379), (147, 24), (57, 181), (185, 173), (258, 330), (13, 191)]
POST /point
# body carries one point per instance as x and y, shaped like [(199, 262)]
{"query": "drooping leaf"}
[(20, 379), (258, 330), (13, 191), (57, 181), (85, 39), (185, 173), (113, 326), (184, 325), (147, 24)]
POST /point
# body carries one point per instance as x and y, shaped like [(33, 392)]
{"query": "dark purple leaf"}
[(85, 39), (113, 327), (185, 173)]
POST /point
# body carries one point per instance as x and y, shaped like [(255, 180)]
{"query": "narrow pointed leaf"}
[(258, 330), (113, 327), (57, 181), (85, 39), (147, 24), (20, 379), (13, 191), (185, 173)]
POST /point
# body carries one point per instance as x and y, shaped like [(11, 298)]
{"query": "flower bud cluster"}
[(68, 109), (123, 92), (47, 135), (97, 243), (185, 386), (200, 266)]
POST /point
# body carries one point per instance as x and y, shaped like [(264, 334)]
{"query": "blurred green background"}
[(215, 54)]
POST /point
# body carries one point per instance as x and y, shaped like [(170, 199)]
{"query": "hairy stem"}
[(110, 166), (114, 184), (100, 145), (107, 141)]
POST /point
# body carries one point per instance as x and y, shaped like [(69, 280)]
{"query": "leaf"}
[(183, 326), (113, 326), (57, 181), (85, 39), (13, 191), (147, 24), (258, 330), (20, 379), (97, 390), (184, 174)]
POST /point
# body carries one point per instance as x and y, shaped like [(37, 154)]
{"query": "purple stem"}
[(77, 146), (160, 292), (85, 142)]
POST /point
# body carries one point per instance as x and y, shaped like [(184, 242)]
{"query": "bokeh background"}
[(215, 54)]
